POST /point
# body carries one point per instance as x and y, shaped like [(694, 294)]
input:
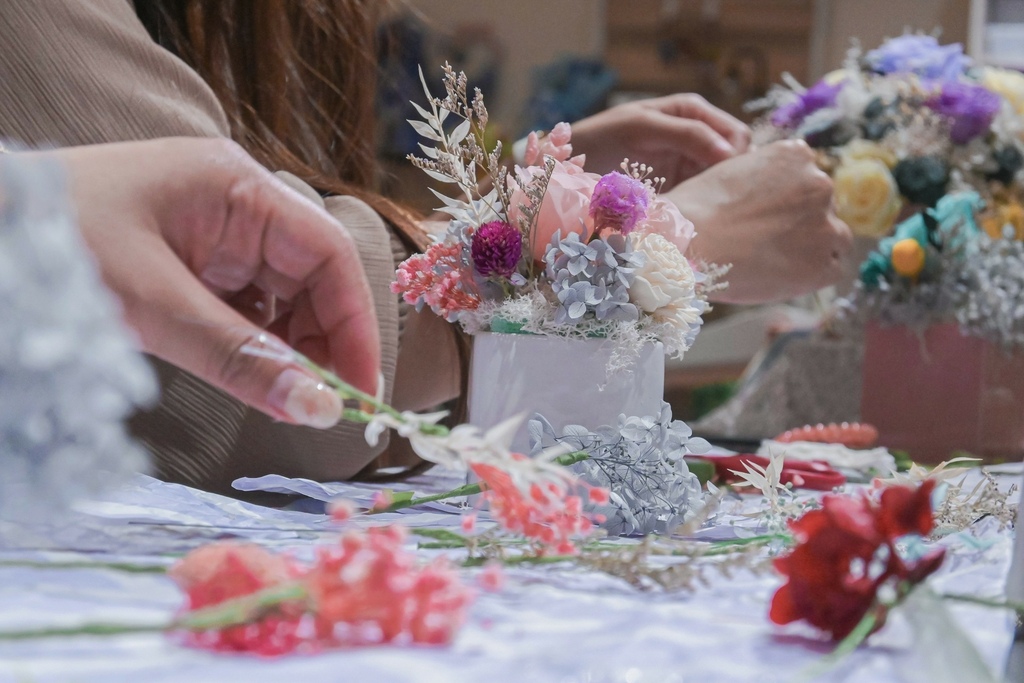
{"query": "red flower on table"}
[(846, 552)]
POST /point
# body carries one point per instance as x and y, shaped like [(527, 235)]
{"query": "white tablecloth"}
[(553, 624)]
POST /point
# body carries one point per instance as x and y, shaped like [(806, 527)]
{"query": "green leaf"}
[(439, 534)]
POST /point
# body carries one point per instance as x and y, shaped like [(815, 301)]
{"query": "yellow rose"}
[(1009, 84), (866, 196), (865, 149)]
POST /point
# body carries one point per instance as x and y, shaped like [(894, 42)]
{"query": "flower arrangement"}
[(913, 130), (903, 125), (550, 248)]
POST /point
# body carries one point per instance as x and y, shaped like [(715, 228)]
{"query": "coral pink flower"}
[(226, 570), (433, 278), (341, 510), (382, 500), (492, 578), (369, 590), (548, 514)]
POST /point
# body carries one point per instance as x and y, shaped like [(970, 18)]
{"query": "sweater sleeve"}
[(77, 72)]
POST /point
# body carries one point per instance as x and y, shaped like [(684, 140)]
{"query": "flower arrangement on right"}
[(926, 152)]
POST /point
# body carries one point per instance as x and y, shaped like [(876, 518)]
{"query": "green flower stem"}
[(464, 490), (83, 630), (725, 547), (984, 602), (127, 567), (241, 610), (349, 392), (846, 646)]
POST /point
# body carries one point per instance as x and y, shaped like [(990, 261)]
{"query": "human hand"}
[(198, 241), (678, 135), (769, 213)]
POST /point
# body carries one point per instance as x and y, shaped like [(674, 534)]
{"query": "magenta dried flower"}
[(496, 249), (619, 202)]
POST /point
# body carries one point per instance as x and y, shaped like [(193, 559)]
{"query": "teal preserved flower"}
[(875, 268)]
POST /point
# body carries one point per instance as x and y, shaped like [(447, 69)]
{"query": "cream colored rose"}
[(865, 149), (866, 196), (1009, 84), (664, 286)]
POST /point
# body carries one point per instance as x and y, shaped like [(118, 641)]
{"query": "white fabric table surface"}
[(553, 624)]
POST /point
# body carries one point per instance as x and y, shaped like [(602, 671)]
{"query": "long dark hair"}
[(297, 80)]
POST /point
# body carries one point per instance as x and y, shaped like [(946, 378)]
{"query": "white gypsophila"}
[(854, 98), (70, 372), (665, 285), (1008, 125)]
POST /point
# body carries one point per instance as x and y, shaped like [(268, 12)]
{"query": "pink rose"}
[(566, 204), (665, 219)]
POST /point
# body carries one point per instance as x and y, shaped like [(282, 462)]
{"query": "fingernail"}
[(305, 400), (725, 148)]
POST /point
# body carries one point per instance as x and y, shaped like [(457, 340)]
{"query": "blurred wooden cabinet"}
[(730, 51)]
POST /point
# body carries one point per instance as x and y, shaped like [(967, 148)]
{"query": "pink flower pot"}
[(942, 392)]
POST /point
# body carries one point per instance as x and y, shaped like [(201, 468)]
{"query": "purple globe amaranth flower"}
[(818, 96), (496, 248), (970, 108), (619, 202), (921, 55)]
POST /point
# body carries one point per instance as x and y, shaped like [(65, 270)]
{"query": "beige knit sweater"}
[(77, 72)]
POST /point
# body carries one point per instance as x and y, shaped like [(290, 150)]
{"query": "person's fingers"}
[(301, 249), (693, 106), (326, 263), (696, 140), (188, 326), (255, 305)]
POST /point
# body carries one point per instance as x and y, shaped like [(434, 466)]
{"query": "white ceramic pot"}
[(565, 380)]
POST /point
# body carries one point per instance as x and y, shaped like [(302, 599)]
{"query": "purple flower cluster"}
[(921, 55), (818, 96), (619, 202), (496, 248), (970, 108)]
